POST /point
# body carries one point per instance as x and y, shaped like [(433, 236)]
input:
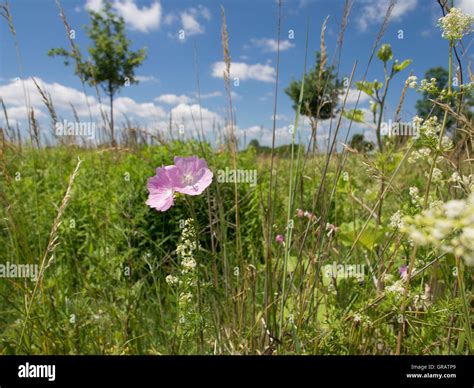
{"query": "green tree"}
[(360, 144), (111, 64), (321, 94), (254, 143)]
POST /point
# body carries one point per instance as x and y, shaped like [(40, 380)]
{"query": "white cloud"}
[(280, 117), (353, 95), (145, 114), (244, 71), (144, 19), (191, 20), (173, 99), (18, 113), (147, 110), (93, 5), (63, 96), (169, 19), (374, 11), (271, 45), (147, 78), (467, 6), (191, 115)]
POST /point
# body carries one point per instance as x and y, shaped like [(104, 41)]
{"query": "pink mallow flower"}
[(279, 239), (193, 175), (188, 176), (403, 271), (161, 188)]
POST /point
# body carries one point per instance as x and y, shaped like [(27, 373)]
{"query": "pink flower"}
[(403, 272), (193, 175), (299, 213), (279, 239), (161, 188), (188, 176)]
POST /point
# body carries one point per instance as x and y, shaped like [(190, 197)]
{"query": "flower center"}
[(188, 179)]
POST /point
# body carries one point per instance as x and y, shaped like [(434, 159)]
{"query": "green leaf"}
[(400, 66), (356, 115), (366, 86)]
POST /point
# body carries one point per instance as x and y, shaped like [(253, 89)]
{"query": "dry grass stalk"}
[(52, 243)]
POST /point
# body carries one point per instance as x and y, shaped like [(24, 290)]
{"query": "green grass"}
[(104, 290)]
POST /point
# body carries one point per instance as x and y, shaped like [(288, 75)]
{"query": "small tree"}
[(111, 64), (320, 96), (360, 144)]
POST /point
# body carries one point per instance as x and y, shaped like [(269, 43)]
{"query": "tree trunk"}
[(112, 119), (314, 132)]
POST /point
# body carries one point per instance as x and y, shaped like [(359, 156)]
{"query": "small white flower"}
[(437, 175), (171, 280), (418, 237), (396, 220), (345, 176), (412, 81), (454, 208), (455, 177)]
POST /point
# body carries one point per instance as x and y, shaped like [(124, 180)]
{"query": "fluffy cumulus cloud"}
[(271, 45), (173, 99), (189, 114), (467, 6), (373, 11), (64, 97), (143, 19), (18, 113), (353, 95), (182, 110), (147, 78), (192, 20), (244, 71)]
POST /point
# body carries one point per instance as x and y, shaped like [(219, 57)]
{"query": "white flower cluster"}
[(362, 319), (420, 155), (171, 280), (411, 81), (455, 24), (446, 143), (429, 86), (396, 220), (466, 182), (430, 127), (437, 175), (188, 245), (449, 226), (188, 278), (414, 195)]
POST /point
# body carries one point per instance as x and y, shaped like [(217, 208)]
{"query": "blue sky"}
[(168, 76)]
